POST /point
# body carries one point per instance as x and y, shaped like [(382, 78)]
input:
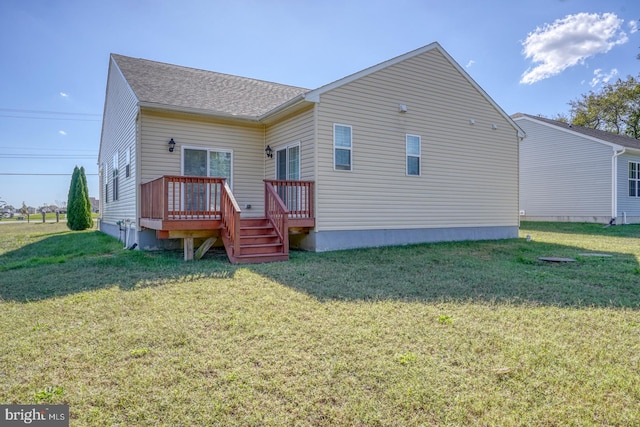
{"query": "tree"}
[(615, 108), (78, 204), (24, 210)]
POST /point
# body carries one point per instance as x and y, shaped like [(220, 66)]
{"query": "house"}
[(575, 173), (409, 150)]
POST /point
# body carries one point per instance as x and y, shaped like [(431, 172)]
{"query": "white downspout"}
[(614, 182)]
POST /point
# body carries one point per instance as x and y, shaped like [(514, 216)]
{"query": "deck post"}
[(188, 248)]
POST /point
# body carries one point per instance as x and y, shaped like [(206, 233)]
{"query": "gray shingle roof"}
[(622, 140), (192, 89)]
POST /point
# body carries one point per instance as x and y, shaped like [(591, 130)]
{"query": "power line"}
[(15, 110), (46, 156), (91, 150), (49, 118), (43, 174)]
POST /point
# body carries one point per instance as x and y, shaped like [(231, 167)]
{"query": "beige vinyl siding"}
[(469, 173), (298, 128), (118, 135), (563, 174), (245, 141)]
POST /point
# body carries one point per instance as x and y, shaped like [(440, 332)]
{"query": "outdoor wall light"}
[(172, 145), (269, 152)]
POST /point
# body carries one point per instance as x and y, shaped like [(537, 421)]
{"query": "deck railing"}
[(231, 217), (277, 213), (297, 196), (173, 197)]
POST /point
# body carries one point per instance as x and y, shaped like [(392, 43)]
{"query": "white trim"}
[(343, 148), (406, 152), (637, 179), (286, 148), (208, 150)]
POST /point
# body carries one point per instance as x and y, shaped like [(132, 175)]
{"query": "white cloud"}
[(600, 77), (61, 132), (570, 41), (64, 95), (470, 63), (633, 26)]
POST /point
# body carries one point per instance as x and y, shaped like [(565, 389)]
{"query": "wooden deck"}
[(189, 207)]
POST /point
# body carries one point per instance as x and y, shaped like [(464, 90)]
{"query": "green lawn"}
[(471, 333)]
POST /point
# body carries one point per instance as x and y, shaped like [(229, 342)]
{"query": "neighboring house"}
[(574, 173), (410, 150)]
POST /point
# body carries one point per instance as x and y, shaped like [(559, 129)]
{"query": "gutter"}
[(292, 103), (614, 182), (196, 111)]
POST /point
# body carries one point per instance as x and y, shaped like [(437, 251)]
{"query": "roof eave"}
[(283, 108), (197, 111), (611, 144)]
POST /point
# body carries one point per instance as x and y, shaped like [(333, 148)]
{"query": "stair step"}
[(254, 222), (252, 231), (259, 239), (267, 248), (255, 259)]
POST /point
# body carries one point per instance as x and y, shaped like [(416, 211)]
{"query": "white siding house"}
[(573, 173), (410, 150)]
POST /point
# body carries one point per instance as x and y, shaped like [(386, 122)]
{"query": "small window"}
[(114, 189), (127, 164), (634, 179), (413, 143), (342, 147)]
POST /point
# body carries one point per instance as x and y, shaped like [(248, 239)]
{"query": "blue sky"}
[(530, 56)]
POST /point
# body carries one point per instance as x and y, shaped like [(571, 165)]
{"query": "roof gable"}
[(189, 89), (314, 95), (603, 137)]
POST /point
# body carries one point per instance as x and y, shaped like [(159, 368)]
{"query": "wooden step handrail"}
[(231, 217), (277, 213)]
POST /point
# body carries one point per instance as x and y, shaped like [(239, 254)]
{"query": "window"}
[(203, 162), (342, 147), (413, 154), (288, 168), (288, 163), (127, 164), (114, 173), (634, 179)]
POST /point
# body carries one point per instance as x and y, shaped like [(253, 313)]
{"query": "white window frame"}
[(127, 163), (114, 178), (208, 150), (408, 155), (636, 179), (287, 148), (350, 148)]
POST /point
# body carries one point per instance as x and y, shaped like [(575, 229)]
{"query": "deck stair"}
[(259, 243)]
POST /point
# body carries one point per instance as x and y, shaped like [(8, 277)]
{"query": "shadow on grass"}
[(65, 263), (631, 231), (505, 271)]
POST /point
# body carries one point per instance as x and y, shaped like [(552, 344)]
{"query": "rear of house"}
[(429, 157), (578, 174), (410, 150)]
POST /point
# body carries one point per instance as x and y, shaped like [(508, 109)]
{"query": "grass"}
[(470, 333)]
